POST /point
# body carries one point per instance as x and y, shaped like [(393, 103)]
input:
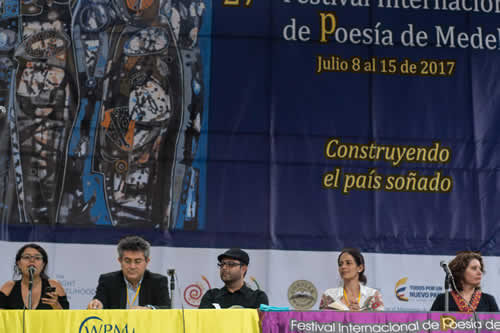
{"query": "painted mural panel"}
[(104, 108)]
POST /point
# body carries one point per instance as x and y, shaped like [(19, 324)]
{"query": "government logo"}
[(400, 289), (411, 292)]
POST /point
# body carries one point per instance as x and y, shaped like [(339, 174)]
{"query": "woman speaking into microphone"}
[(31, 262), (467, 269)]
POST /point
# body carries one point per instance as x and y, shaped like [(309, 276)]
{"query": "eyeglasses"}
[(135, 261), (29, 257), (228, 264)]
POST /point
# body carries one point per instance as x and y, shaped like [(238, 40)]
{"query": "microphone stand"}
[(447, 293), (474, 313), (171, 273), (476, 319), (30, 290)]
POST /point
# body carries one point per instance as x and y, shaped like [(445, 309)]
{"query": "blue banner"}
[(287, 124)]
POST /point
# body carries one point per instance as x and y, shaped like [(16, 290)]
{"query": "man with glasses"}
[(233, 265), (133, 286)]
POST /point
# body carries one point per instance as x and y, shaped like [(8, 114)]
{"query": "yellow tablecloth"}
[(130, 321)]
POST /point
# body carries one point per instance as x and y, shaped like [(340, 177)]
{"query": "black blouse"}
[(15, 298), (487, 303)]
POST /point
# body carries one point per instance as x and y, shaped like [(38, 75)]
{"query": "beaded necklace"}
[(462, 304)]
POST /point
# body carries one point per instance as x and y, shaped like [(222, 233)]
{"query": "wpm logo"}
[(400, 289), (96, 325)]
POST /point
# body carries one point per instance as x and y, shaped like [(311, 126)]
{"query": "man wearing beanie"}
[(233, 265)]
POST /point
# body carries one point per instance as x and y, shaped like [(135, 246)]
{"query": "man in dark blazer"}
[(133, 286)]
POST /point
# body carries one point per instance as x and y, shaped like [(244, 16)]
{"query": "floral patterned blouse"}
[(370, 299)]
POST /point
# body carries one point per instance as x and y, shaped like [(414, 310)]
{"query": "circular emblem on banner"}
[(302, 295), (193, 293)]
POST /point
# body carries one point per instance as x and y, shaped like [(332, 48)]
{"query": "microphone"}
[(445, 267), (31, 271), (449, 276), (171, 273)]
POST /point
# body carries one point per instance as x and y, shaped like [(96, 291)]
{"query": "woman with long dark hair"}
[(32, 259), (353, 295)]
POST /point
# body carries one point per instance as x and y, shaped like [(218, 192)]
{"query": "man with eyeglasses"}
[(233, 265), (132, 287)]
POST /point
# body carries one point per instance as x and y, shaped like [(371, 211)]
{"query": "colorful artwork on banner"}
[(105, 109)]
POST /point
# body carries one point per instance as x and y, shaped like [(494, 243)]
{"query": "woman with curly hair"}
[(467, 269)]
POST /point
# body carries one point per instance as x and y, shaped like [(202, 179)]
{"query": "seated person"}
[(233, 265), (132, 287), (467, 269), (353, 295), (46, 293)]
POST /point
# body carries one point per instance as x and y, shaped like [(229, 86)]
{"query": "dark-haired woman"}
[(353, 295), (46, 293), (467, 269)]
